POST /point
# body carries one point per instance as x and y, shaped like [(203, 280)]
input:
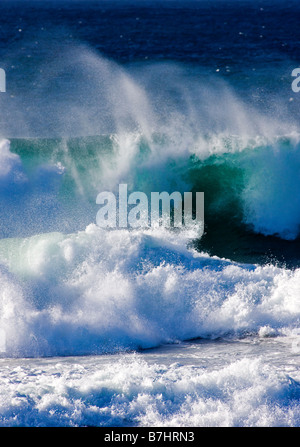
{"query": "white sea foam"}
[(101, 291), (133, 391)]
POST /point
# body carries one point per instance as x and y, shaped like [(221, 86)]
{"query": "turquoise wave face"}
[(250, 187)]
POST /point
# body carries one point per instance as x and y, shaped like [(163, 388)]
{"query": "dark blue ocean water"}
[(235, 37), (211, 33)]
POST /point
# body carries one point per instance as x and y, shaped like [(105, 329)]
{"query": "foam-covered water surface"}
[(191, 384)]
